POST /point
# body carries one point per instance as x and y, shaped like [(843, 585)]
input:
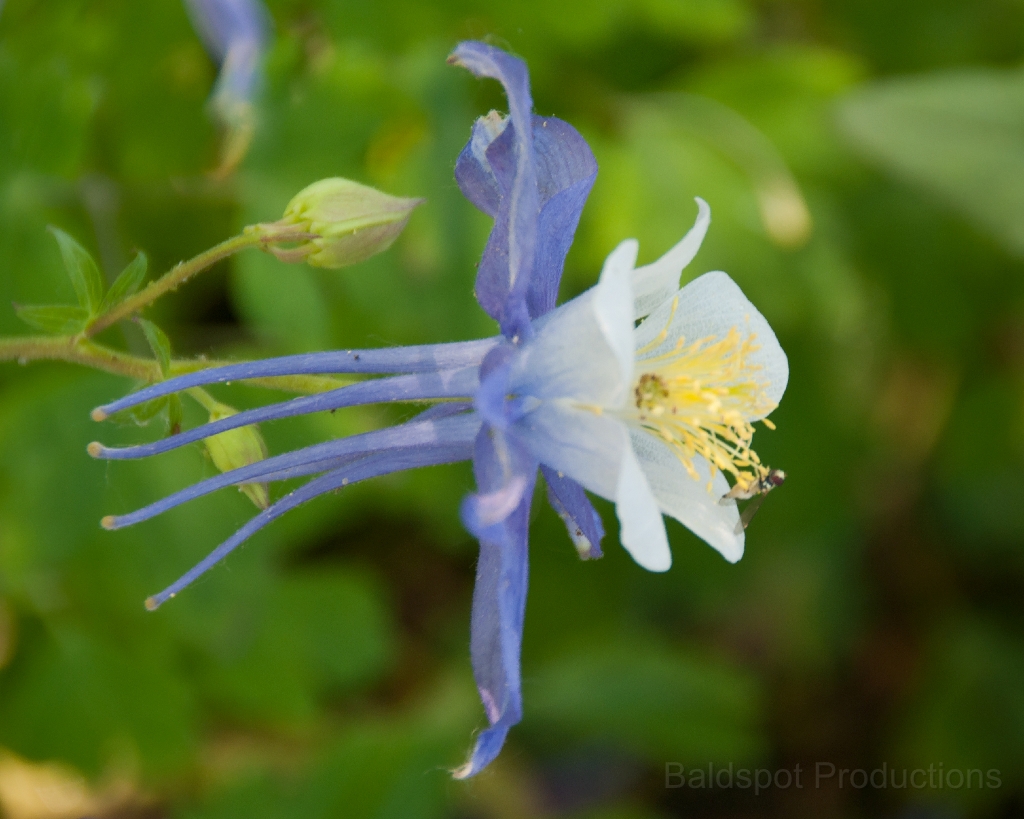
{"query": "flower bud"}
[(237, 447), (336, 222)]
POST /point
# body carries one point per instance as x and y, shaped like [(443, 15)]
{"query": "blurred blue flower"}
[(235, 33), (651, 416)]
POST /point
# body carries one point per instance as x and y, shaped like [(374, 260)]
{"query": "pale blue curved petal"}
[(566, 170), (581, 519), (655, 283), (235, 33), (474, 172), (710, 306), (482, 511), (504, 470), (503, 277), (496, 635), (222, 22), (688, 500), (238, 81)]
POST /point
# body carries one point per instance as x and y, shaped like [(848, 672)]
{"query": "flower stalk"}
[(172, 280)]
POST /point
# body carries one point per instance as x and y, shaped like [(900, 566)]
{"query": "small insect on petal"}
[(756, 492)]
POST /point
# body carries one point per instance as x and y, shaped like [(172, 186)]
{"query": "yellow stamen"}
[(697, 397)]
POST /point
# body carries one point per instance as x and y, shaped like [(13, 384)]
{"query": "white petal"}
[(587, 447), (655, 283), (584, 350), (641, 528), (620, 262), (712, 305), (688, 500), (612, 297), (595, 451)]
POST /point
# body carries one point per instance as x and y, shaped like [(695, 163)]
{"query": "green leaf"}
[(79, 694), (327, 631), (127, 283), (59, 319), (81, 267), (141, 414), (959, 135), (175, 414), (658, 700), (160, 344)]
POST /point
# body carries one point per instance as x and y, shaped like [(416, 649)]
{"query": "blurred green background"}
[(864, 161)]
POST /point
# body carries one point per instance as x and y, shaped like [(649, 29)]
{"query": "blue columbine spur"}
[(235, 33), (656, 416)]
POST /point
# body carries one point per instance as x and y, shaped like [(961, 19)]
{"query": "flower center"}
[(697, 397)]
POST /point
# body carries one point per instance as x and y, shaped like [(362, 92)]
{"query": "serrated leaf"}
[(81, 267), (59, 319), (126, 283), (160, 344)]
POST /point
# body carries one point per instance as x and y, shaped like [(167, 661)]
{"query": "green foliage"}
[(959, 135), (88, 284), (143, 413), (159, 343), (656, 701), (100, 700), (127, 282), (58, 319), (82, 270)]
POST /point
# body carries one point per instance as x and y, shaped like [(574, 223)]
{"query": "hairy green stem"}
[(174, 278)]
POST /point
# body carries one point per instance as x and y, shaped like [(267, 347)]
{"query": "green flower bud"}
[(237, 447), (336, 222)]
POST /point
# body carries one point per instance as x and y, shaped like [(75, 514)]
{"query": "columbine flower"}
[(655, 417), (235, 34)]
